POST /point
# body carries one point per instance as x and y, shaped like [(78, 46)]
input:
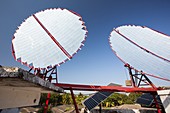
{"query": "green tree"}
[(66, 98), (59, 99), (132, 97), (55, 99), (79, 98), (117, 99), (43, 99)]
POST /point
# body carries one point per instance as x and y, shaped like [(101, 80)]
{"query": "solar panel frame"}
[(95, 99), (148, 100)]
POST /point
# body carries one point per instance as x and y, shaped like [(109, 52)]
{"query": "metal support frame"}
[(49, 74), (81, 87), (156, 103), (137, 78), (52, 76), (46, 103), (74, 100), (100, 108)]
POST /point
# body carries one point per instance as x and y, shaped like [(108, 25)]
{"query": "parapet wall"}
[(19, 88), (15, 72)]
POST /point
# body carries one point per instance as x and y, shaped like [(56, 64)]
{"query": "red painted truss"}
[(105, 88)]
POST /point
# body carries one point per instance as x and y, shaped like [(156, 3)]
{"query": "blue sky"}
[(95, 63)]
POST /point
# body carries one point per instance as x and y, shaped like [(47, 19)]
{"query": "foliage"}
[(66, 99), (115, 99), (133, 97), (43, 99), (60, 99), (55, 99), (79, 98)]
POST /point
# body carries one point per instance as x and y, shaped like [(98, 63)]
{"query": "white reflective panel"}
[(149, 39), (137, 57), (33, 45)]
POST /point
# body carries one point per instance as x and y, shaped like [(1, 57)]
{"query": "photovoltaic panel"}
[(95, 99), (49, 38), (143, 48), (147, 100)]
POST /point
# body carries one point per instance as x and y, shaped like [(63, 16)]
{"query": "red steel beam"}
[(46, 103), (74, 100), (104, 88), (156, 103)]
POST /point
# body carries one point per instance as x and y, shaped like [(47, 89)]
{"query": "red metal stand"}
[(137, 78), (156, 103), (137, 82), (74, 100), (46, 103), (52, 76), (81, 87), (49, 74)]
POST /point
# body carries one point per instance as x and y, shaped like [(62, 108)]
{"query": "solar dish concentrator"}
[(143, 49), (49, 38)]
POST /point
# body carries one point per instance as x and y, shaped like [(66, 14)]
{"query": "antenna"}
[(143, 50)]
